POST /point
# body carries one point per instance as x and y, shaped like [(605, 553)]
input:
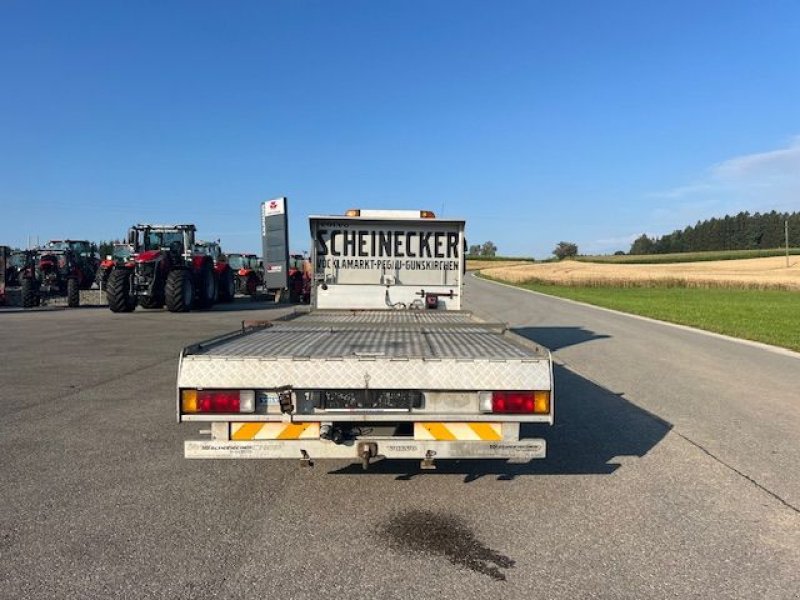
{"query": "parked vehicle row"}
[(60, 268), (155, 266)]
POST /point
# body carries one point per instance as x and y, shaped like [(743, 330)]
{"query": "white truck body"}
[(384, 364)]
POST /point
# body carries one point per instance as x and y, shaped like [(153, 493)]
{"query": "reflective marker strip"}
[(274, 431), (458, 431)]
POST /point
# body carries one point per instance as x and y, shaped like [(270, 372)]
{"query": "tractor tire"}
[(251, 285), (118, 291), (29, 296), (207, 287), (73, 293), (179, 291), (227, 286), (151, 302)]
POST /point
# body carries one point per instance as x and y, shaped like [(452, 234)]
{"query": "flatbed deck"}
[(395, 334), (392, 349)]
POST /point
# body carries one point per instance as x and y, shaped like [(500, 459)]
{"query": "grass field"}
[(769, 316), (683, 257), (752, 273)]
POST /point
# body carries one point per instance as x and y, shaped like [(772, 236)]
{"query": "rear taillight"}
[(218, 401), (528, 402)]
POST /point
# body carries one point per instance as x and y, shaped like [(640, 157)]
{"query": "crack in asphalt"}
[(760, 486), (697, 445)]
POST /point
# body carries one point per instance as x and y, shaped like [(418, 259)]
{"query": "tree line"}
[(743, 231)]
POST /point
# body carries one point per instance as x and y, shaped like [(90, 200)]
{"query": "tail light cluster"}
[(218, 401), (515, 403)]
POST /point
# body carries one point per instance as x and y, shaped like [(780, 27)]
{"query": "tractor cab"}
[(150, 241), (81, 248), (211, 249)]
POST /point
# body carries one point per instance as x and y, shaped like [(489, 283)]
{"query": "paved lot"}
[(673, 473)]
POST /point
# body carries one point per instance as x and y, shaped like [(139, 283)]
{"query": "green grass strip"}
[(769, 316)]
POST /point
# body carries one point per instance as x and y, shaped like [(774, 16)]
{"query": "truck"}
[(385, 363)]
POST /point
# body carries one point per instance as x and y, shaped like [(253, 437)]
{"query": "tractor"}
[(226, 283), (5, 253), (120, 255), (299, 279), (165, 268), (61, 268), (248, 271), (16, 261)]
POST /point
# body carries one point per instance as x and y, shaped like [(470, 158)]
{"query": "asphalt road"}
[(673, 472)]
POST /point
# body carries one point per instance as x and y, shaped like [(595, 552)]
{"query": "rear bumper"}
[(521, 450)]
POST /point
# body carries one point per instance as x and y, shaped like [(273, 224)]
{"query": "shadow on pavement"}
[(244, 304), (593, 426), (556, 338)]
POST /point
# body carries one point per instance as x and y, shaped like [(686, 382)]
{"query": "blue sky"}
[(537, 122)]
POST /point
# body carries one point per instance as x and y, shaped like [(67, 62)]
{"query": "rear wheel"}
[(251, 285), (118, 291), (208, 287), (73, 293), (227, 286), (29, 296), (179, 291)]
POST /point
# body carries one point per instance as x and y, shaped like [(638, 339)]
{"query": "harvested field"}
[(753, 273)]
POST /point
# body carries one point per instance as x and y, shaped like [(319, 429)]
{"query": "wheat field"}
[(752, 273)]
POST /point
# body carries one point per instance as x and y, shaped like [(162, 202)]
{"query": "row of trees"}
[(743, 231), (485, 249)]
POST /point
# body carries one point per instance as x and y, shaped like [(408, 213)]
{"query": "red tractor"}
[(120, 255), (164, 269), (247, 269), (62, 268), (223, 273), (299, 279)]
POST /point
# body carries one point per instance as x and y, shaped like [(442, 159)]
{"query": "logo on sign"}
[(273, 207)]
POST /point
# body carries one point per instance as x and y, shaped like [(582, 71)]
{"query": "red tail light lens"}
[(512, 402), (537, 402), (217, 401)]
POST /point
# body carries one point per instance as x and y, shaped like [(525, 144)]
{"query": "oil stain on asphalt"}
[(435, 533)]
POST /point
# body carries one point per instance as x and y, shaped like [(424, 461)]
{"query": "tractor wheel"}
[(29, 296), (227, 286), (151, 302), (73, 293), (207, 287), (251, 285), (118, 291), (179, 291)]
